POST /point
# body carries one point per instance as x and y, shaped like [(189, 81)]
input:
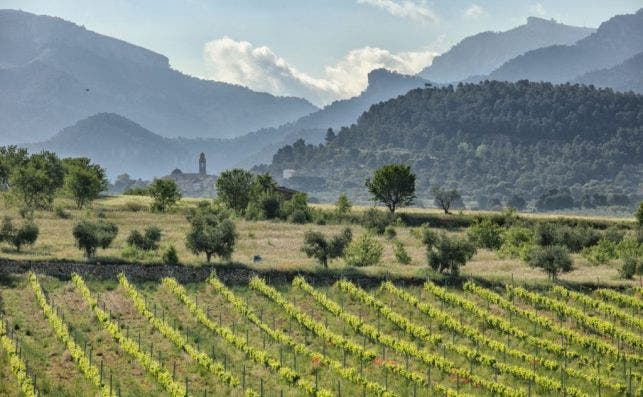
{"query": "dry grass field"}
[(278, 243)]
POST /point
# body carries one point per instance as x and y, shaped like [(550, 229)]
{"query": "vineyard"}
[(119, 338)]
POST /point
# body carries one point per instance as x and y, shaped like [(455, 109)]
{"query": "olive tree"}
[(18, 236), (553, 259), (392, 185), (83, 181), (212, 232), (317, 246), (90, 236), (446, 253), (445, 198), (165, 194)]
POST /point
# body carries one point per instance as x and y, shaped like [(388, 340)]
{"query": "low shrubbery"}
[(317, 246), (90, 236), (19, 235), (146, 241), (364, 251)]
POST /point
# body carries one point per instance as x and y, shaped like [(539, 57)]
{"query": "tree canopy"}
[(393, 185)]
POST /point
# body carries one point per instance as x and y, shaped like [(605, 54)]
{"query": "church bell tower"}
[(202, 170)]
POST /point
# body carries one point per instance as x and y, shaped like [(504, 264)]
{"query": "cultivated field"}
[(86, 338), (278, 243)]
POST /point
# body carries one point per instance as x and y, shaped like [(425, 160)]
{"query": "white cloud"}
[(404, 9), (538, 9), (474, 11), (259, 68)]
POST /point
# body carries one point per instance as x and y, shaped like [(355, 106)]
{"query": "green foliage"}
[(631, 267), (165, 194), (135, 206), (234, 189), (170, 256), (212, 232), (35, 182), (393, 185), (296, 209), (11, 157), (61, 213), (375, 220), (90, 236), (446, 253), (485, 234), (639, 214), (400, 253), (317, 246), (19, 236), (146, 241), (136, 191), (517, 242), (553, 259), (343, 205), (265, 205), (364, 251), (574, 238), (83, 181), (600, 253), (390, 232), (445, 198)]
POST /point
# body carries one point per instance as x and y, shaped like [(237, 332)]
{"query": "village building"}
[(195, 184)]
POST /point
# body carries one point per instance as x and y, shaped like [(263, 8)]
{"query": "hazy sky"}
[(318, 49)]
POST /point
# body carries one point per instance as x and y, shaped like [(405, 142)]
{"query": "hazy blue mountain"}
[(382, 85), (615, 40), (623, 77), (54, 73), (480, 54)]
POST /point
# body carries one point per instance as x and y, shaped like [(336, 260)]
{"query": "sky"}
[(321, 50)]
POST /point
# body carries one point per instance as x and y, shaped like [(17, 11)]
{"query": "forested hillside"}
[(492, 141)]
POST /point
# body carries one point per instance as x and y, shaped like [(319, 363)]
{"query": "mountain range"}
[(482, 53), (54, 73)]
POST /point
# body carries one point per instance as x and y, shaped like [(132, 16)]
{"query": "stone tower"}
[(202, 164)]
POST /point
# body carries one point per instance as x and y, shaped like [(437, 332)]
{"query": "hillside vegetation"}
[(491, 141)]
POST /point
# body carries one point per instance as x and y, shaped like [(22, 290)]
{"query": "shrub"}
[(390, 232), (133, 253), (485, 234), (19, 236), (517, 242), (574, 238), (364, 251), (317, 246), (601, 253), (146, 241), (343, 205), (61, 213), (631, 267), (296, 209), (375, 220), (170, 256), (165, 194), (135, 206), (446, 253), (639, 214), (90, 236), (553, 259), (400, 253)]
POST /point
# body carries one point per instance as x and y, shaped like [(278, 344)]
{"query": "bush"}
[(601, 253), (90, 236), (343, 205), (446, 253), (25, 234), (364, 251), (132, 253), (390, 232), (135, 206), (318, 247), (485, 234), (147, 241), (553, 259), (375, 220), (170, 256), (296, 209), (574, 238), (517, 242), (136, 191), (61, 213), (400, 253), (165, 194)]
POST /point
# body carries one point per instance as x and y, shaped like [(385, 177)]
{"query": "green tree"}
[(36, 181), (165, 193), (393, 185), (264, 184), (83, 181), (343, 205), (317, 246), (639, 214), (212, 232), (11, 157), (553, 259), (400, 253), (446, 253), (445, 198), (296, 209), (90, 236), (364, 251), (485, 234), (234, 189)]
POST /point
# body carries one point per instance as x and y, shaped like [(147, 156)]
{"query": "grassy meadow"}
[(278, 243)]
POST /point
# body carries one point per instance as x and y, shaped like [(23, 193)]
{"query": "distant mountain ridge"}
[(480, 54), (623, 77), (54, 73), (615, 40)]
